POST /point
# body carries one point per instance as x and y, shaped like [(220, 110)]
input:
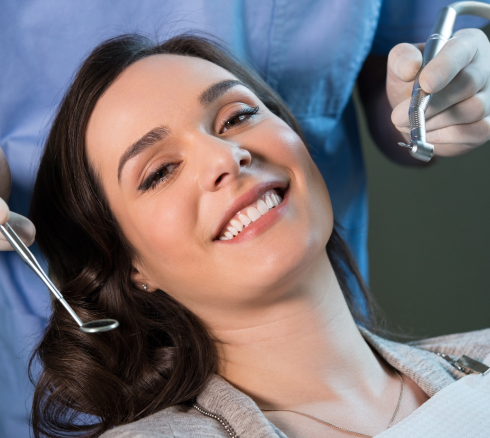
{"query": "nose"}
[(220, 161)]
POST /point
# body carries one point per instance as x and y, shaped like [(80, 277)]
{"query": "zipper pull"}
[(466, 364)]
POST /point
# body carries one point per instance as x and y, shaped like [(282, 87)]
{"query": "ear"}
[(141, 281)]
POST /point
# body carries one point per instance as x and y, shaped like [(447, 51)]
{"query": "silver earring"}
[(145, 287)]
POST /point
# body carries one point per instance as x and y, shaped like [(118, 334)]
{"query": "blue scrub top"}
[(310, 51)]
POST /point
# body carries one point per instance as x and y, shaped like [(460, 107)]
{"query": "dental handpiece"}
[(440, 34)]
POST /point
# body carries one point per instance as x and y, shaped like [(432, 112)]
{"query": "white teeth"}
[(244, 219), (276, 199), (253, 213), (262, 207), (236, 224), (269, 202)]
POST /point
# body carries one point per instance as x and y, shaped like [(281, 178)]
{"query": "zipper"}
[(466, 364), (217, 417)]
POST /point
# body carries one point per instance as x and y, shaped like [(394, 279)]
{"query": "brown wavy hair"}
[(161, 355)]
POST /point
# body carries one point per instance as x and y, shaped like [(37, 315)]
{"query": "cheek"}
[(172, 247), (162, 232), (317, 216), (287, 149), (290, 151), (281, 140)]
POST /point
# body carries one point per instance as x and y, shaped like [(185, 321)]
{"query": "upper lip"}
[(246, 199)]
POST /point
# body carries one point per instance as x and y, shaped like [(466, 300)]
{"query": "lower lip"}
[(262, 224)]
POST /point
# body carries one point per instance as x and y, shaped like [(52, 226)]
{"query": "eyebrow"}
[(215, 91), (148, 140)]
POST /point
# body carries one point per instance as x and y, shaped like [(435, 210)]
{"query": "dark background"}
[(429, 240)]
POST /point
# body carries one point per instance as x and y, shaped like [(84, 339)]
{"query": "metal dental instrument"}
[(440, 34), (101, 325)]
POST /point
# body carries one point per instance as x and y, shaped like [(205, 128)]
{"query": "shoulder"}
[(173, 422), (475, 344)]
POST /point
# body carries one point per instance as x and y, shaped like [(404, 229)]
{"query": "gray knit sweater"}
[(225, 411)]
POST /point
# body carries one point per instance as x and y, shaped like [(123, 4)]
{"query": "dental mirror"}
[(98, 326)]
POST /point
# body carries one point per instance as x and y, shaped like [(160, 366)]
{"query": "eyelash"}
[(242, 113), (154, 180)]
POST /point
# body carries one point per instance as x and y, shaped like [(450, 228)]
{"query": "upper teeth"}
[(246, 216)]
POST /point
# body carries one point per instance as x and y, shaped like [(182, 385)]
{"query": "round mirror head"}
[(101, 325)]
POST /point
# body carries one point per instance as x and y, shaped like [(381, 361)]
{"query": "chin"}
[(270, 274)]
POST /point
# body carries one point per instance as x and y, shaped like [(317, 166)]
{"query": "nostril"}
[(219, 179), (243, 162)]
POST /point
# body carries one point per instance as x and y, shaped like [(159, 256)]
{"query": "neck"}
[(301, 350)]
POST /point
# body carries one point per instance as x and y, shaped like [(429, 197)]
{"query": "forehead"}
[(151, 92), (166, 74), (168, 77)]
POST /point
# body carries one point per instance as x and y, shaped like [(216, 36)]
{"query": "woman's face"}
[(184, 151)]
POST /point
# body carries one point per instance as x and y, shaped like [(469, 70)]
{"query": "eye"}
[(239, 117), (159, 176)]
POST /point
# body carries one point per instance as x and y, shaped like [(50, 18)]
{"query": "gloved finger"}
[(404, 62), (5, 181), (468, 46), (451, 149), (23, 227), (466, 84), (467, 136), (4, 211), (465, 112), (470, 110)]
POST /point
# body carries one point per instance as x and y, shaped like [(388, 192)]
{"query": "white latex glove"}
[(458, 116), (21, 225)]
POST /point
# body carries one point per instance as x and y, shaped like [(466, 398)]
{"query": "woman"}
[(176, 194)]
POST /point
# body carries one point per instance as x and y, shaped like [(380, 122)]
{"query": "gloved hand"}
[(458, 116), (22, 226)]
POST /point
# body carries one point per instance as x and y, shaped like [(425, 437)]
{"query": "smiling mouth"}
[(243, 218)]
